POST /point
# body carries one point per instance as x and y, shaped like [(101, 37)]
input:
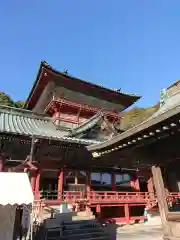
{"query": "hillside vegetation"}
[(7, 100), (130, 118), (137, 115)]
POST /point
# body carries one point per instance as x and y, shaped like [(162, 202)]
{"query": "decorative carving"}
[(107, 128)]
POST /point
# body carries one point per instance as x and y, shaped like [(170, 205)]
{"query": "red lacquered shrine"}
[(48, 139), (153, 145)]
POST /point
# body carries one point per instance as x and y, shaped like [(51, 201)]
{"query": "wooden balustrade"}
[(107, 196), (118, 196), (72, 196)]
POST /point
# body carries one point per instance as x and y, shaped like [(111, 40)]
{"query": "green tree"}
[(6, 100), (20, 104)]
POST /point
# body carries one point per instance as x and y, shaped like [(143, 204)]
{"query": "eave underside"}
[(160, 150), (151, 142), (50, 154)]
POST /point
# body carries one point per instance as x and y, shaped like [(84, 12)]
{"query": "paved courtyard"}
[(135, 232)]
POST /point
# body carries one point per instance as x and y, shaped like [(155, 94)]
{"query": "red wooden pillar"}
[(33, 181), (126, 211), (137, 185), (98, 211), (113, 181), (37, 185), (1, 163), (134, 182), (60, 184), (88, 185)]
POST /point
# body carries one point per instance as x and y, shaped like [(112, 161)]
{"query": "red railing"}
[(55, 195), (174, 194), (83, 106), (96, 197), (173, 198), (106, 196), (73, 196)]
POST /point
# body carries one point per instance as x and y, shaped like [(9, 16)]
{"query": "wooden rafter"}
[(26, 164)]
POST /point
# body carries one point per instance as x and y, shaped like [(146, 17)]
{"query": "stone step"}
[(76, 236), (78, 218), (96, 238), (53, 232), (84, 222), (92, 235), (80, 226), (85, 230), (57, 234)]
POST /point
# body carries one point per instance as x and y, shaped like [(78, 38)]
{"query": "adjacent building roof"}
[(167, 111), (23, 122), (90, 123), (95, 125), (116, 95), (170, 102)]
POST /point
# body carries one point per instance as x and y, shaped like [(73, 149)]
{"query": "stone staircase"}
[(77, 230)]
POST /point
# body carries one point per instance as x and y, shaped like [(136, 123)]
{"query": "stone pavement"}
[(135, 232)]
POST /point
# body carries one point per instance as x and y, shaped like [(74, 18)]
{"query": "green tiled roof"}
[(87, 124), (24, 122)]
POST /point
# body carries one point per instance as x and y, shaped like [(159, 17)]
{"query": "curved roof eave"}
[(169, 109), (132, 98), (87, 124)]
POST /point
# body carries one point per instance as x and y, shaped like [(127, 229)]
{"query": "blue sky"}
[(129, 44)]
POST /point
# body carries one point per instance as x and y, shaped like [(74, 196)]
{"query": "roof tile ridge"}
[(48, 66), (98, 114), (22, 112)]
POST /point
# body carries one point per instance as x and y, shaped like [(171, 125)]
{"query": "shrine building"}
[(153, 148), (63, 120)]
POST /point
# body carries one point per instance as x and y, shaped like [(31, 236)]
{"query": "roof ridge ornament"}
[(65, 71), (163, 96)]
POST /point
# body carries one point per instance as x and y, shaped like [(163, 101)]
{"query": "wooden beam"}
[(161, 196), (25, 164)]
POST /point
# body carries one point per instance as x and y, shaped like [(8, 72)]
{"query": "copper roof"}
[(23, 122), (87, 124)]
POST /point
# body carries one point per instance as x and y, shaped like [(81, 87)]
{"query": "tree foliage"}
[(19, 104), (7, 101), (136, 116)]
